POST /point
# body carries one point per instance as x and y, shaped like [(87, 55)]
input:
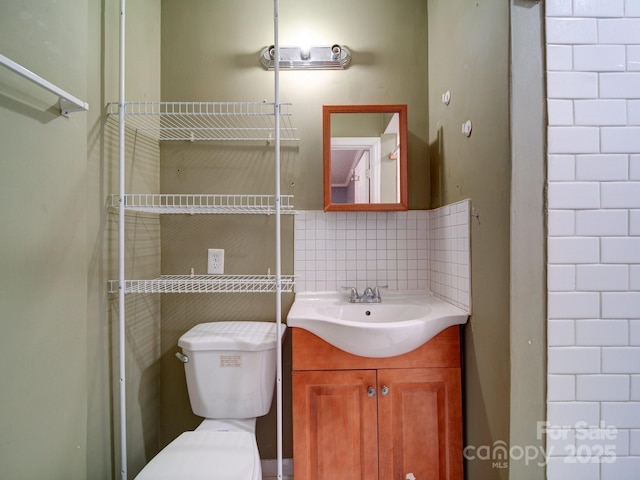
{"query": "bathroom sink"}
[(402, 322), (374, 312)]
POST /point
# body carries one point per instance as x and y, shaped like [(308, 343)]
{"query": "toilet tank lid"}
[(234, 335)]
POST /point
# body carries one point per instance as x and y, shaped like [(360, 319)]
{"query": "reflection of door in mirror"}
[(365, 161), (351, 159)]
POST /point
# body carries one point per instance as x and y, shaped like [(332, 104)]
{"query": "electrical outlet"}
[(215, 262)]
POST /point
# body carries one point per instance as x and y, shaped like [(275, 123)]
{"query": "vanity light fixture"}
[(331, 57)]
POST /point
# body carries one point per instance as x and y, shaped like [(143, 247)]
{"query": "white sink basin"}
[(403, 321)]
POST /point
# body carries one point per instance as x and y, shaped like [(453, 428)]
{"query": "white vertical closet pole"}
[(121, 250), (278, 241)]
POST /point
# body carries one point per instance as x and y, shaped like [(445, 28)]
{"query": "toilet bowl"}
[(230, 372)]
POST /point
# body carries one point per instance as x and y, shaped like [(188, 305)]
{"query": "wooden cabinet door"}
[(420, 424), (335, 425)]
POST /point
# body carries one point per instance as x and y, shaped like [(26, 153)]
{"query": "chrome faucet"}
[(353, 294), (376, 292), (370, 295)]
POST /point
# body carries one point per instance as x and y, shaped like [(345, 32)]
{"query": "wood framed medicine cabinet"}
[(365, 157)]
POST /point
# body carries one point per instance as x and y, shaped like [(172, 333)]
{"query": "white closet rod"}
[(68, 103)]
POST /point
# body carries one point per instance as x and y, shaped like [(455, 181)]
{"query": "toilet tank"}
[(231, 368)]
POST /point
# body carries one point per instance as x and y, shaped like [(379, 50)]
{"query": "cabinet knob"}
[(371, 392), (385, 390)]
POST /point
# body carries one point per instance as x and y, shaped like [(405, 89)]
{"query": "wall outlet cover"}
[(215, 261)]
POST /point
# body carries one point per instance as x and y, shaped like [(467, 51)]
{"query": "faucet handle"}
[(376, 291), (353, 294)]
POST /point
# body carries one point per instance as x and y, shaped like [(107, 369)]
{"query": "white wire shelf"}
[(231, 121), (191, 204), (206, 284)]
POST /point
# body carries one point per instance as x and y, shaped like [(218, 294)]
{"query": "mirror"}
[(365, 157)]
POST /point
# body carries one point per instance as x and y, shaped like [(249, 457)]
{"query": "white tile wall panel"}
[(635, 390), (598, 8), (560, 112), (602, 332), (561, 223), (574, 413), (561, 388), (634, 167), (449, 253), (620, 85), (618, 31), (600, 112), (574, 360), (602, 277), (572, 85), (624, 468), (602, 222), (634, 442), (618, 439), (633, 58), (571, 30), (633, 112), (599, 58), (570, 468), (620, 139), (574, 195), (622, 360), (634, 277), (602, 387), (632, 8), (602, 168), (560, 441), (621, 414), (574, 139), (399, 249), (561, 168), (573, 250), (573, 305), (561, 278), (560, 58), (634, 333), (561, 333), (621, 195), (621, 250), (559, 8), (620, 305)]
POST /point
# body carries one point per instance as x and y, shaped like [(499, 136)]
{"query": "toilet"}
[(230, 369)]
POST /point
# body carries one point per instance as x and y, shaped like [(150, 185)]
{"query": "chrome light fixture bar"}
[(333, 57)]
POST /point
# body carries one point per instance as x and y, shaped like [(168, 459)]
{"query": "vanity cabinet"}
[(377, 418)]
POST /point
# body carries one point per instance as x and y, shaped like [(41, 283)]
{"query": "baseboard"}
[(270, 469)]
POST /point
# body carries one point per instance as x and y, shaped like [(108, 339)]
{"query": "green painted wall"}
[(58, 347), (469, 56), (44, 250), (210, 52)]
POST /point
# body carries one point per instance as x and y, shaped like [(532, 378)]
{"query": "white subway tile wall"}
[(593, 89), (413, 250)]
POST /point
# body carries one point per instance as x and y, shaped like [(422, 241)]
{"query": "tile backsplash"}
[(450, 253), (360, 249), (412, 250)]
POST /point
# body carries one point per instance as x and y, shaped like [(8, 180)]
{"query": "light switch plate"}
[(215, 261)]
